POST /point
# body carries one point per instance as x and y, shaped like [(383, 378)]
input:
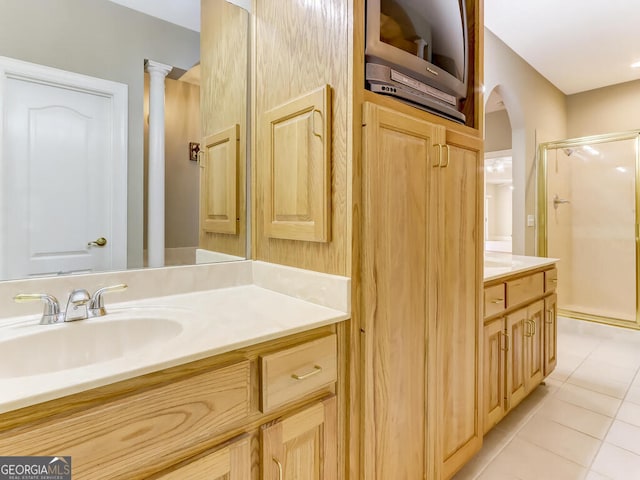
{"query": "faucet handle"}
[(96, 305), (51, 313)]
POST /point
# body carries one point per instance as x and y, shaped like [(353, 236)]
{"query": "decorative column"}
[(155, 200)]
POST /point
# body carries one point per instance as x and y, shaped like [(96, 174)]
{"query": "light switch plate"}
[(531, 220)]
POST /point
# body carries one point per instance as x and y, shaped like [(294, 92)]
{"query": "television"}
[(417, 50)]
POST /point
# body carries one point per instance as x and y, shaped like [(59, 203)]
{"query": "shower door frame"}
[(542, 213)]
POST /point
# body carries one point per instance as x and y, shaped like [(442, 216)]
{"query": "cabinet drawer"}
[(231, 462), (125, 437), (287, 375), (523, 289), (494, 300), (550, 280)]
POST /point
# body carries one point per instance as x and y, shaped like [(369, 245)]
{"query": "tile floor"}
[(583, 424)]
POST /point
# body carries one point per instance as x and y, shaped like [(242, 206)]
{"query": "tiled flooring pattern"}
[(583, 424)]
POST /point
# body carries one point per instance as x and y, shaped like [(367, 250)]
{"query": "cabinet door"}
[(494, 373), (219, 181), (550, 333), (232, 462), (397, 292), (534, 345), (302, 446), (516, 329), (458, 322)]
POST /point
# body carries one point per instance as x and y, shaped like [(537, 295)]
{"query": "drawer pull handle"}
[(554, 280), (279, 465), (497, 300), (316, 369), (516, 284)]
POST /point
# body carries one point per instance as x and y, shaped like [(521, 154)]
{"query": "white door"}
[(63, 172)]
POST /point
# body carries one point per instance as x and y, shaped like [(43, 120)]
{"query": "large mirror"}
[(62, 173)]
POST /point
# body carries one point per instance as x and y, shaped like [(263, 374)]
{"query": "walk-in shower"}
[(587, 217)]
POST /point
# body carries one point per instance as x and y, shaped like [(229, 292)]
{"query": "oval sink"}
[(54, 348)]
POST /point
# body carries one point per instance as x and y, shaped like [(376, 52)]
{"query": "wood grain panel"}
[(396, 292), (302, 446), (534, 346), (219, 182), (494, 373), (109, 442), (223, 101), (290, 374), (494, 300), (459, 320), (524, 289), (516, 328), (299, 45), (550, 333), (550, 280), (232, 462), (298, 175)]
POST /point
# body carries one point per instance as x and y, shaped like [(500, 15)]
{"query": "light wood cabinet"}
[(458, 320), (525, 352), (404, 224), (421, 371), (519, 343), (231, 462), (398, 292), (515, 325), (302, 446), (550, 333), (494, 372), (199, 420), (297, 174), (219, 181), (288, 374), (534, 346)]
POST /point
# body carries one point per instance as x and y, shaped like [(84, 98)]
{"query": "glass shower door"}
[(589, 210)]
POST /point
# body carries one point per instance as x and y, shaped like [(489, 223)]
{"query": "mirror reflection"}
[(498, 177), (75, 169)]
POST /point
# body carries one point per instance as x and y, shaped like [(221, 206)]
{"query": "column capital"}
[(156, 67)]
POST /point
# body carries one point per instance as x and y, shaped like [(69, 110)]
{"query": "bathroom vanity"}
[(520, 330), (246, 388)]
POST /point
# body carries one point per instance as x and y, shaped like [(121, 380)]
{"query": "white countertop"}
[(497, 264), (213, 322)]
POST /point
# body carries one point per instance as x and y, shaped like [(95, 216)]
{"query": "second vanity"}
[(520, 330), (240, 378)]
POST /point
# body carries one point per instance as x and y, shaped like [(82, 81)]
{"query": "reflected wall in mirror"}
[(101, 39), (224, 102), (498, 177)]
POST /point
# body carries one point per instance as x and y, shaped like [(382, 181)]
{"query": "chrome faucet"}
[(51, 312), (79, 305), (96, 305)]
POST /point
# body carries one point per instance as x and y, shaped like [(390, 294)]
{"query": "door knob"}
[(100, 242)]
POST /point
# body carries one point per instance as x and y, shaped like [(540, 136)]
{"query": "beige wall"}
[(497, 134), (605, 110), (537, 111), (182, 176), (105, 40)]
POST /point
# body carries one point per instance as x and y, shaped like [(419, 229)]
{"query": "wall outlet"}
[(531, 220)]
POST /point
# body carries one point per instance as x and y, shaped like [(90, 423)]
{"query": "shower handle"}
[(559, 201)]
